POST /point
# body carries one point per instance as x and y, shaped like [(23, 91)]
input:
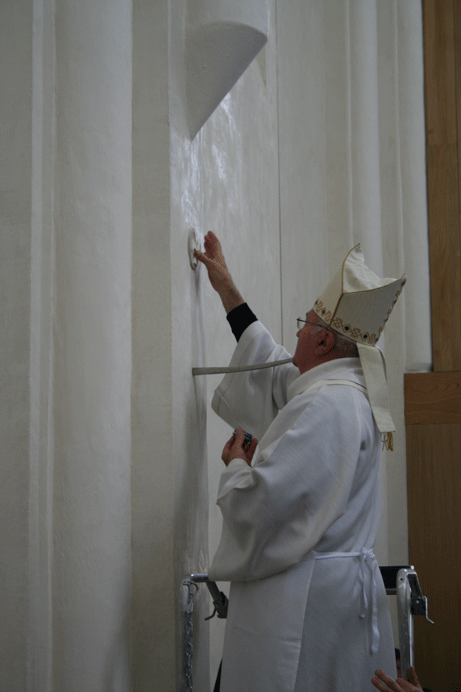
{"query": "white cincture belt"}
[(367, 557)]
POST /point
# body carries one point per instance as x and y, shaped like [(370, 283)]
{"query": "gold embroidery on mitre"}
[(322, 311), (352, 332)]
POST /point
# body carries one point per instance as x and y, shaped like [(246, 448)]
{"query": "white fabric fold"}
[(270, 631), (367, 557)]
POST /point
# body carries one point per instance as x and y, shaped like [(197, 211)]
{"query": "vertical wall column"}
[(92, 375), (412, 147), (364, 182), (42, 290), (15, 268), (155, 592)]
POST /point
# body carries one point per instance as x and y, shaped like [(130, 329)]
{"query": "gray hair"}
[(344, 347)]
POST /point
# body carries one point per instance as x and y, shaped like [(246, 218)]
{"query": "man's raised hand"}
[(218, 273), (214, 261)]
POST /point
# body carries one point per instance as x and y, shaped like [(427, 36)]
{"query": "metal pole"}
[(405, 620)]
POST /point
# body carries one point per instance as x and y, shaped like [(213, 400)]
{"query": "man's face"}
[(304, 357)]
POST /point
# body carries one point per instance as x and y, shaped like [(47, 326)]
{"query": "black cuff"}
[(240, 318)]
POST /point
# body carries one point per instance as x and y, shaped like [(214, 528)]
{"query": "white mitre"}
[(357, 304)]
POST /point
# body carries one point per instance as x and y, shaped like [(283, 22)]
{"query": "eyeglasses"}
[(300, 324)]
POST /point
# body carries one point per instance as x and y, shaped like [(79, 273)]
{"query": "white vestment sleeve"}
[(275, 512), (252, 399)]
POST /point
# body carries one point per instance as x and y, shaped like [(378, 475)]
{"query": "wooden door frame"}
[(433, 400)]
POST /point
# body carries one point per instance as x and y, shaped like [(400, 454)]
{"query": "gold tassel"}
[(388, 441)]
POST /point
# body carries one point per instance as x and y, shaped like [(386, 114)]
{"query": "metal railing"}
[(402, 581)]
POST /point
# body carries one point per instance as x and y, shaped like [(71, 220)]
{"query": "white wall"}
[(111, 453), (66, 354), (40, 630), (155, 592), (15, 210), (92, 346)]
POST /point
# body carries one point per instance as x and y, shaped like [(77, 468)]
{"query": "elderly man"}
[(307, 609)]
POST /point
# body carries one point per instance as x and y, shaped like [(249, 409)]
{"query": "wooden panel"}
[(442, 60), (433, 400), (434, 509), (439, 72), (432, 397), (445, 256)]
